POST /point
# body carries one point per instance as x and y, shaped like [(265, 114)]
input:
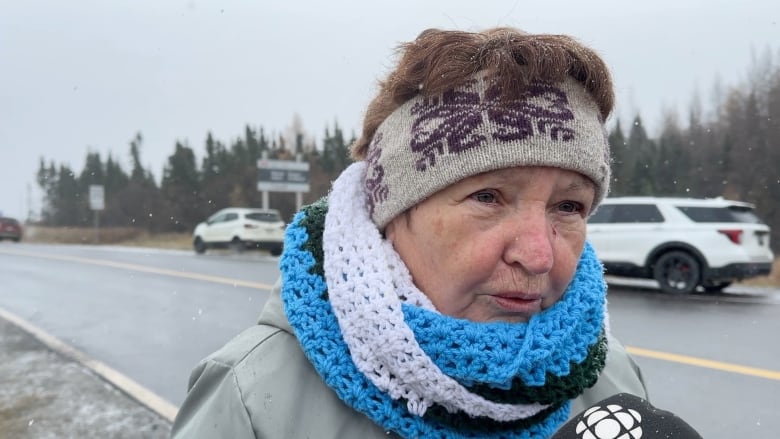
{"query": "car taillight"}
[(734, 235), (250, 226)]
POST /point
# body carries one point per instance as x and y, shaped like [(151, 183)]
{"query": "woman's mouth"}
[(525, 304)]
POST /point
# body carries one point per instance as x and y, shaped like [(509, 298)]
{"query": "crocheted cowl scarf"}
[(380, 344)]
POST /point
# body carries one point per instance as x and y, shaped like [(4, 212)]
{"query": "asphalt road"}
[(152, 314), (151, 326), (721, 360)]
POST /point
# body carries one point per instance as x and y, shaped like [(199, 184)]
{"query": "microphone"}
[(625, 416)]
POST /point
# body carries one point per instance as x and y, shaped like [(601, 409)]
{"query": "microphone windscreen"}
[(625, 416)]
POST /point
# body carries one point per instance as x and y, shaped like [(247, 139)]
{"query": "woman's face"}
[(498, 246)]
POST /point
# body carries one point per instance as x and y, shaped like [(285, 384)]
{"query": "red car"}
[(10, 229)]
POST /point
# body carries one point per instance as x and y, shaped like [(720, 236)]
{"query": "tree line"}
[(733, 151), (188, 191), (730, 151)]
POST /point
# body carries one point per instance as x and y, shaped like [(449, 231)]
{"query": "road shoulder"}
[(45, 394)]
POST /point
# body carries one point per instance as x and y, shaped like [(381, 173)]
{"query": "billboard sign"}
[(282, 176)]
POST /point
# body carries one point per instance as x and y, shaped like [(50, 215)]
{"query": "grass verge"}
[(128, 236), (773, 280)]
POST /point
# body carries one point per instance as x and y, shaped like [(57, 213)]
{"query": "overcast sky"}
[(85, 75)]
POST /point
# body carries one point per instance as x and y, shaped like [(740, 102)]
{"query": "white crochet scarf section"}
[(367, 282)]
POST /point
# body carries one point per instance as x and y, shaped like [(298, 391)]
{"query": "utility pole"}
[(29, 203), (264, 193)]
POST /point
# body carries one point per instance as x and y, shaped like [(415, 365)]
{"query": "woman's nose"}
[(531, 243)]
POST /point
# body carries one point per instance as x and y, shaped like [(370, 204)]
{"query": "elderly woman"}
[(445, 288)]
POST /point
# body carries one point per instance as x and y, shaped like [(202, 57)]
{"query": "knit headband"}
[(429, 143)]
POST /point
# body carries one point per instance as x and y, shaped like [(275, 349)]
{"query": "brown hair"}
[(439, 60)]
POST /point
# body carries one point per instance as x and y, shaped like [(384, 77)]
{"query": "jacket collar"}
[(273, 312)]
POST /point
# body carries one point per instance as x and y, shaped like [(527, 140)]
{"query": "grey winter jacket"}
[(260, 385)]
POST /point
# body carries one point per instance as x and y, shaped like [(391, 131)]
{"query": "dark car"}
[(10, 229)]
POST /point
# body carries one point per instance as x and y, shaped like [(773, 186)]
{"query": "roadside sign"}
[(97, 200), (282, 176)]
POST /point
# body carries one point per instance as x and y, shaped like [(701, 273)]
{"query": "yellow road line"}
[(154, 402), (701, 362), (146, 269)]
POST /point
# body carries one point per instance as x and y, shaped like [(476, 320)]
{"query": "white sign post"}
[(97, 202)]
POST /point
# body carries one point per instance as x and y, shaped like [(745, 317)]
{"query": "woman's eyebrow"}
[(580, 184)]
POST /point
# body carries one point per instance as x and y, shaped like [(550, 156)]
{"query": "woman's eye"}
[(485, 197), (570, 207)]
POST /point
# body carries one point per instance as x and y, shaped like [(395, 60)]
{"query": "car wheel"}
[(199, 245), (677, 272), (237, 245), (715, 287), (276, 251)]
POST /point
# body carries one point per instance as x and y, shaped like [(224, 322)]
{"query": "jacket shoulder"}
[(242, 347), (260, 385), (215, 405)]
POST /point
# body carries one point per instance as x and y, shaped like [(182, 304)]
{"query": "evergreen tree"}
[(115, 181), (238, 163), (116, 178), (47, 181), (215, 176), (93, 172), (252, 144), (140, 203), (335, 151), (620, 172), (263, 143), (327, 159), (640, 159), (138, 174), (181, 189), (771, 209), (673, 161), (70, 204)]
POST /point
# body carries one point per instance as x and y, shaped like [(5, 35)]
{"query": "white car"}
[(682, 243), (241, 228)]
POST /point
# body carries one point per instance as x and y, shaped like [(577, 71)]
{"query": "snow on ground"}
[(45, 395)]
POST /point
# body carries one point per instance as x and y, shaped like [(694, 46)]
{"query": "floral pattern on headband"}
[(376, 190), (457, 120)]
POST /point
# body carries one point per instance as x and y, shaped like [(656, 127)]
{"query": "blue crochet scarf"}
[(549, 360)]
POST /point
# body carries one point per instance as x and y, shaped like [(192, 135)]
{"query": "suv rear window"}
[(730, 214), (10, 221), (627, 213), (268, 217)]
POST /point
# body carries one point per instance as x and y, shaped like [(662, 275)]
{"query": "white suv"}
[(241, 228), (681, 242)]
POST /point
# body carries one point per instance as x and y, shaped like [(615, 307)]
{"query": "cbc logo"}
[(610, 422)]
